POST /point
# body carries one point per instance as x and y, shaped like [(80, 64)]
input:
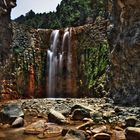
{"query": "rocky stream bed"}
[(68, 119)]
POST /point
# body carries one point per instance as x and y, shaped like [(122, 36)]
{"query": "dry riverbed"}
[(68, 119)]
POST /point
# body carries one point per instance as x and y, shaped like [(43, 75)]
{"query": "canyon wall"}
[(27, 72), (5, 28), (30, 63), (24, 59), (125, 52)]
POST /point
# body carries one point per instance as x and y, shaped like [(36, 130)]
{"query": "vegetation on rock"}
[(29, 49)]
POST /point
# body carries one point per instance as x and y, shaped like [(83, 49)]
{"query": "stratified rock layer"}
[(125, 52)]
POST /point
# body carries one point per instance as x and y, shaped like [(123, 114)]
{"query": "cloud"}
[(38, 6)]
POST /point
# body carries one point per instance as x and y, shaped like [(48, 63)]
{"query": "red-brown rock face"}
[(125, 54)]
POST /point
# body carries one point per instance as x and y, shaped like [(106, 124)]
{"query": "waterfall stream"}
[(58, 59)]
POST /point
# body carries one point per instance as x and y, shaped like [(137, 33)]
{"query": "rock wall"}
[(25, 72), (5, 28), (30, 63), (125, 52)]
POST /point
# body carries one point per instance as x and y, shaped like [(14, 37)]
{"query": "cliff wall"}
[(125, 52), (5, 28)]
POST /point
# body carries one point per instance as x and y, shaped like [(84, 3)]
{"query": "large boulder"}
[(10, 113), (132, 133), (36, 127), (19, 122), (80, 114), (56, 117)]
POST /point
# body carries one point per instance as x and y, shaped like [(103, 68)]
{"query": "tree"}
[(68, 13), (30, 14)]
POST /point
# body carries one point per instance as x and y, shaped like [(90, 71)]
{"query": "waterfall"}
[(52, 55), (58, 59)]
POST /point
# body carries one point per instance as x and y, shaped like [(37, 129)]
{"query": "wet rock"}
[(51, 131), (131, 121), (19, 122), (80, 106), (132, 133), (36, 128), (101, 136), (80, 114), (85, 125), (99, 130), (56, 117), (75, 135), (119, 135), (10, 112)]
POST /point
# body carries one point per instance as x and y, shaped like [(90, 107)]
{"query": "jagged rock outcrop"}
[(5, 27), (125, 52)]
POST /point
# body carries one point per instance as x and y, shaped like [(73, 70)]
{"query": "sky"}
[(38, 6)]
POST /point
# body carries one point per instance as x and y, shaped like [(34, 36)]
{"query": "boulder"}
[(19, 122), (132, 133), (119, 135), (80, 114), (131, 121), (36, 127), (85, 125), (101, 136), (99, 130), (10, 112), (52, 130), (80, 106), (74, 134), (56, 117)]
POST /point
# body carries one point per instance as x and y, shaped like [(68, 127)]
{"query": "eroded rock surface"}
[(125, 50), (5, 27)]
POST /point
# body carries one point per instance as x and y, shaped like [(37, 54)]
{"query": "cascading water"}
[(52, 57), (58, 59)]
